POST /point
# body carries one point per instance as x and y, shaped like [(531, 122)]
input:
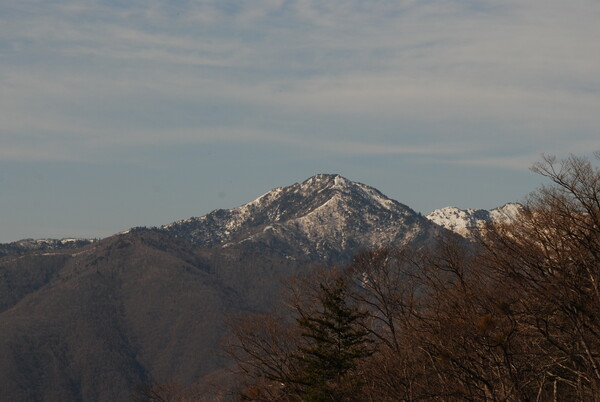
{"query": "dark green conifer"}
[(336, 340)]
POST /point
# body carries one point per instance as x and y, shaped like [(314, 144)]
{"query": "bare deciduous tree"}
[(514, 317)]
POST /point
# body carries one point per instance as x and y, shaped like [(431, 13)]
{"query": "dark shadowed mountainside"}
[(96, 320)]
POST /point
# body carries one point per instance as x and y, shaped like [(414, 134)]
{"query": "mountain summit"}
[(322, 218)]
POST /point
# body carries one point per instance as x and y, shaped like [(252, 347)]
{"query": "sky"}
[(119, 114)]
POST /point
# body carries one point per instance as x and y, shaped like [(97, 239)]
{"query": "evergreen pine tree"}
[(336, 340)]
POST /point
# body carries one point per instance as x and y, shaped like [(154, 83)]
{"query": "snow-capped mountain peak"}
[(324, 214), (466, 222), (507, 213)]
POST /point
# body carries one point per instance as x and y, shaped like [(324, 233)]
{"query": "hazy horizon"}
[(119, 115)]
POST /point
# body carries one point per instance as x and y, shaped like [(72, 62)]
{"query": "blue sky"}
[(117, 114)]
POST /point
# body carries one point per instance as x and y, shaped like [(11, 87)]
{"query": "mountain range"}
[(94, 319)]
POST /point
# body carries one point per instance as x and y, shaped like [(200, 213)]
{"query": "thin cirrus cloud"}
[(502, 68)]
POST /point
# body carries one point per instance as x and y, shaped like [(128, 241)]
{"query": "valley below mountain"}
[(94, 320)]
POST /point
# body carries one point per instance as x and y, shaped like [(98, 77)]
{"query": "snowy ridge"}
[(35, 245), (466, 222), (51, 244)]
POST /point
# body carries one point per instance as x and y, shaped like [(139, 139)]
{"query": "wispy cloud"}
[(514, 162), (499, 69)]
